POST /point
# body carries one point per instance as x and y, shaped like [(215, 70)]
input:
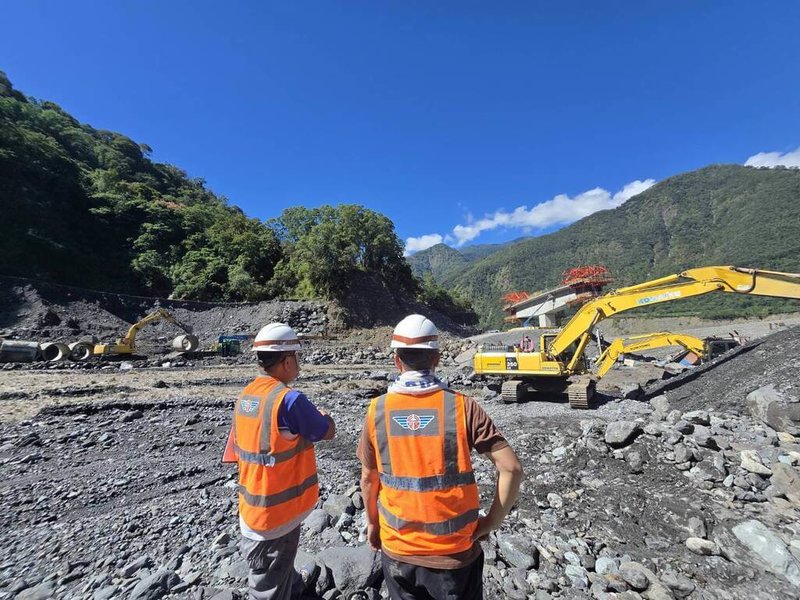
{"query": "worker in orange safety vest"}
[(272, 440), (417, 478)]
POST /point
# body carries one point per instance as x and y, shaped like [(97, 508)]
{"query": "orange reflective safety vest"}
[(428, 500), (277, 476)]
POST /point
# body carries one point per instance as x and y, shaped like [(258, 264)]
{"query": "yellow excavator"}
[(127, 344), (559, 364), (706, 348)]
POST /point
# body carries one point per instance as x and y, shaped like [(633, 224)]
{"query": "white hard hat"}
[(415, 331), (276, 337)]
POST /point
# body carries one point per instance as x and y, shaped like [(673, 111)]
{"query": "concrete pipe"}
[(55, 351), (18, 351), (186, 343), (81, 351)]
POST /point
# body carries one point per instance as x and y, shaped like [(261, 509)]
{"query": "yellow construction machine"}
[(559, 364), (127, 344), (705, 349)]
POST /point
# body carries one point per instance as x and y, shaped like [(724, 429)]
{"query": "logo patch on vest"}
[(411, 422), (248, 405)]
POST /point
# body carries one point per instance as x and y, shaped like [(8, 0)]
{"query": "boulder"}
[(518, 550), (155, 586), (702, 547), (786, 481), (43, 591), (317, 521), (621, 433), (751, 544), (353, 568), (751, 463), (767, 405), (336, 505)]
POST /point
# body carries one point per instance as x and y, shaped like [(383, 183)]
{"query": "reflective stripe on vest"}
[(441, 528), (280, 497)]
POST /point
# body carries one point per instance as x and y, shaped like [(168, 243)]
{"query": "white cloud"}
[(774, 159), (415, 244), (560, 210)]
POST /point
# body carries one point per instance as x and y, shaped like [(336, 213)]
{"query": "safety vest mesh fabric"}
[(428, 500), (277, 476)]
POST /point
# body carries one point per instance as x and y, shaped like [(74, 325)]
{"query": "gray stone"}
[(155, 586), (110, 591), (634, 460), (769, 548), (578, 576), (767, 405), (140, 563), (661, 405), (352, 568), (698, 417), (555, 501), (682, 453), (710, 469), (697, 527), (317, 521), (684, 427), (621, 433), (631, 391), (518, 550), (336, 505), (786, 481), (702, 547), (132, 415), (44, 591), (605, 564), (751, 463), (680, 585), (633, 576)]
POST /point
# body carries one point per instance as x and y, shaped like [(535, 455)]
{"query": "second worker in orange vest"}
[(417, 479), (272, 439)]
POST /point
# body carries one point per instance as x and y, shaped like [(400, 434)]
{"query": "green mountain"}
[(438, 261), (722, 214), (441, 261)]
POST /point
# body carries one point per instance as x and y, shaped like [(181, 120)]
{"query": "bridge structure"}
[(579, 285)]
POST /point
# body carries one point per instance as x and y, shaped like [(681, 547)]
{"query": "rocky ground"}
[(112, 485)]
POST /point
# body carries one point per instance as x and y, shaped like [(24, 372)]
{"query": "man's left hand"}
[(374, 537)]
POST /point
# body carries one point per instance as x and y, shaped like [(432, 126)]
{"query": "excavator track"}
[(511, 391), (580, 391)]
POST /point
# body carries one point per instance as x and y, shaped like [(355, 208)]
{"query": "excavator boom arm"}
[(645, 342), (690, 283)]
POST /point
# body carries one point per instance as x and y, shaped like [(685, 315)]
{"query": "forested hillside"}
[(88, 207), (722, 214)]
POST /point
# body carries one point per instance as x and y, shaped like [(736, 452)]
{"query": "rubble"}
[(113, 485)]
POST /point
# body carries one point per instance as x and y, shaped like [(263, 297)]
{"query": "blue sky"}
[(473, 122)]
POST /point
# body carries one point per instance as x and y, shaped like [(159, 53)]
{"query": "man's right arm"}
[(509, 478), (329, 435)]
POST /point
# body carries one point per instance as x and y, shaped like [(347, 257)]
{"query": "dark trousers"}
[(410, 582), (272, 575)]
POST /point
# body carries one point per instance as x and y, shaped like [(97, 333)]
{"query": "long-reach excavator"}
[(560, 364), (705, 348), (127, 344)]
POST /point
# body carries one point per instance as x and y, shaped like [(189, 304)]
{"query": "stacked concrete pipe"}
[(54, 351), (186, 343), (81, 351)]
